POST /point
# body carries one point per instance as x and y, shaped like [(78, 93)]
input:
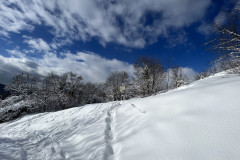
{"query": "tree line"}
[(56, 92)]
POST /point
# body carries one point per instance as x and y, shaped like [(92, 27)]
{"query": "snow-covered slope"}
[(195, 122)]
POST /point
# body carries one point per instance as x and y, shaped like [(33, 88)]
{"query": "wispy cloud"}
[(122, 22), (36, 43)]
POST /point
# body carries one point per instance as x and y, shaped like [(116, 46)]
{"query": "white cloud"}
[(122, 22), (36, 43), (15, 52), (89, 65), (10, 66)]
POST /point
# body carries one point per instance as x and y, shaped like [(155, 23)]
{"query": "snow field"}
[(195, 122), (77, 133)]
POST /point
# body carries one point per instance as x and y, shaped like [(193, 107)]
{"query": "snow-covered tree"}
[(148, 75), (224, 65), (59, 92), (178, 78), (113, 83), (73, 88), (22, 84), (93, 93), (201, 75), (47, 95), (212, 70)]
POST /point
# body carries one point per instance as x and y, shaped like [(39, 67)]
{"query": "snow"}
[(12, 107), (199, 121)]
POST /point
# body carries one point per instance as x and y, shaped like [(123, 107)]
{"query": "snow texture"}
[(199, 121), (13, 107)]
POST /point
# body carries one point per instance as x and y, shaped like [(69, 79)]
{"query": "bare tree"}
[(212, 70), (201, 75), (227, 41), (224, 65), (178, 78), (93, 93), (59, 92), (168, 73), (149, 74), (73, 88), (113, 83), (22, 84)]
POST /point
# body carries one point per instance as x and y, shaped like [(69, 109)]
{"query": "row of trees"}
[(226, 65), (56, 92), (149, 78)]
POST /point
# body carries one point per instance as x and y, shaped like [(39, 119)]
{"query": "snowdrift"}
[(195, 122)]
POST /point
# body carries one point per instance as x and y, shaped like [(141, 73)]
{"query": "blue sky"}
[(95, 37)]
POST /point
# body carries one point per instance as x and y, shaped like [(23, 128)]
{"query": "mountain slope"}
[(198, 122)]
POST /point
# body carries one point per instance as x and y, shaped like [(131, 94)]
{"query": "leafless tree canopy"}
[(149, 73), (178, 78), (113, 83), (23, 83), (227, 41)]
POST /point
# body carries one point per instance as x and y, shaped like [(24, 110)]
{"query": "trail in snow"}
[(109, 135), (78, 133)]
